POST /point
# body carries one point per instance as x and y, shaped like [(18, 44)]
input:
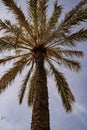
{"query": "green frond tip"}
[(63, 88)]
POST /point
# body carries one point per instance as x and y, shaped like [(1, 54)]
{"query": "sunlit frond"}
[(63, 88)]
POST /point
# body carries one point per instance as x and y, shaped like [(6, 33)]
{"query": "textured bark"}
[(40, 115)]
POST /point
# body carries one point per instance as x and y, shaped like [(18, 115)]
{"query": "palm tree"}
[(38, 42)]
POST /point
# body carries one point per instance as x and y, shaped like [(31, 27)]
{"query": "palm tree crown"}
[(53, 37)]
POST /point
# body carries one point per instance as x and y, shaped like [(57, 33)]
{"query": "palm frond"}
[(10, 75), (31, 91), (66, 62), (8, 27), (63, 88), (80, 35), (75, 10), (81, 16), (24, 85), (50, 37), (74, 17), (9, 58), (42, 8), (5, 45), (71, 53), (15, 41), (52, 53), (67, 40), (71, 64), (19, 14), (64, 52), (4, 25), (32, 11), (73, 38), (37, 13), (55, 16)]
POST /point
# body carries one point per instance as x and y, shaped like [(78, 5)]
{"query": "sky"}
[(19, 117)]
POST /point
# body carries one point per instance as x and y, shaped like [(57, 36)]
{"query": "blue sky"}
[(19, 117)]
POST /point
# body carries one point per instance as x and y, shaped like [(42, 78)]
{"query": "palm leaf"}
[(31, 91), (71, 64), (66, 62), (73, 38), (75, 10), (63, 88), (42, 8), (67, 52), (19, 14), (24, 85), (55, 16), (80, 35), (9, 58), (8, 27), (71, 53), (32, 11), (81, 16), (67, 40), (5, 45), (4, 25), (10, 75), (72, 17)]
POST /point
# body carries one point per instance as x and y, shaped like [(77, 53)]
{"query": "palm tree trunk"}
[(40, 115)]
